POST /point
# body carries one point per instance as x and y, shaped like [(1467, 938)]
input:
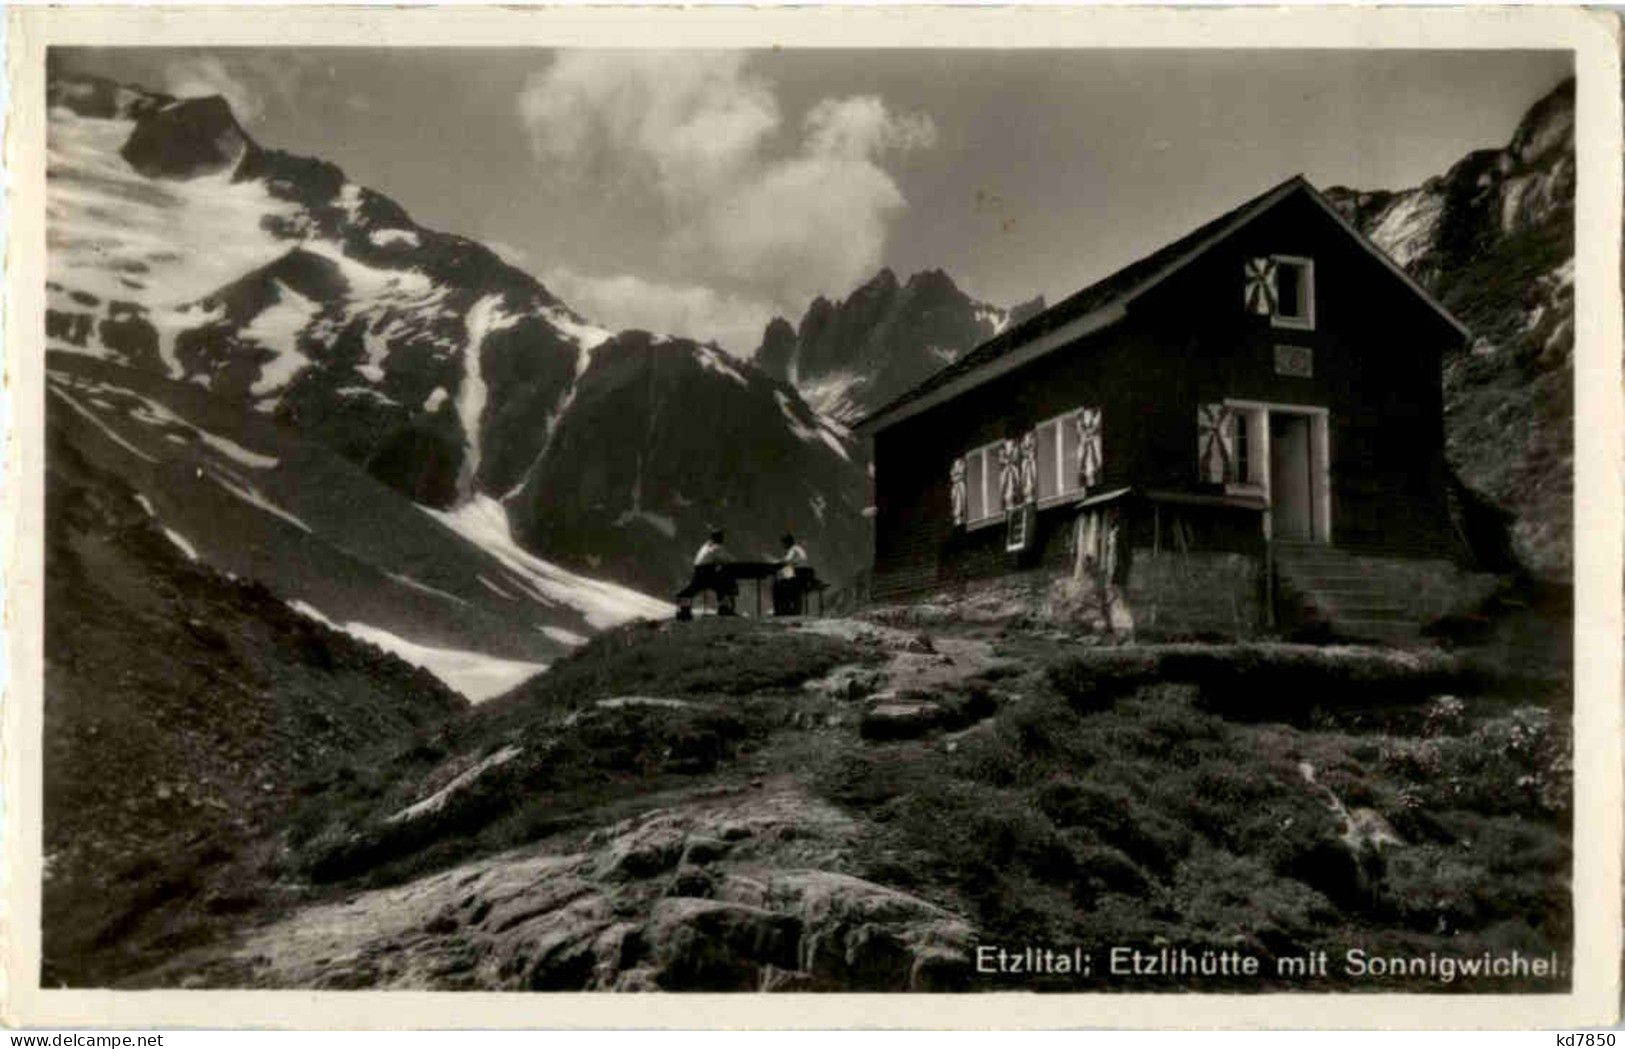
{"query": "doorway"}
[(1292, 496)]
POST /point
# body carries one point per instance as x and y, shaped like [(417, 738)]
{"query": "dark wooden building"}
[(1242, 427)]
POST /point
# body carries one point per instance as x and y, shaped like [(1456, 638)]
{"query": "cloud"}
[(249, 82), (777, 214), (626, 301), (208, 75), (861, 127), (687, 121)]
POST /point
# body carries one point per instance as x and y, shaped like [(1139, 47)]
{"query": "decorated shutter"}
[(956, 478), (1261, 296), (1029, 467), (1215, 443), (1091, 457), (1010, 474)]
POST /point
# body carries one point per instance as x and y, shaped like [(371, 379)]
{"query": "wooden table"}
[(755, 571)]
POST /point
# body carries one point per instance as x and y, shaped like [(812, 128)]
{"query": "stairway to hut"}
[(1321, 586)]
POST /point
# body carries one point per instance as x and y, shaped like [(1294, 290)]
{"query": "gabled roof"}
[(1105, 302)]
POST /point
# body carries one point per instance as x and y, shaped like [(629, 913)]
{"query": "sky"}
[(702, 193)]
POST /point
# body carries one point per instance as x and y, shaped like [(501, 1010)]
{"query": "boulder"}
[(895, 718)]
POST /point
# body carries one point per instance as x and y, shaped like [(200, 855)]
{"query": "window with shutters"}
[(1058, 457), (1294, 292), (1232, 445), (1251, 450), (982, 502)]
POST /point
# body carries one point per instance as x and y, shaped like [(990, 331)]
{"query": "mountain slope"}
[(1493, 240), (660, 443), (181, 710), (182, 248), (449, 591), (850, 357)]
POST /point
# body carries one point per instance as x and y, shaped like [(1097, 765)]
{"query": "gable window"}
[(1282, 288), (1294, 293)]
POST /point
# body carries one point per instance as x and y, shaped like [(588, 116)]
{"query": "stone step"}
[(1380, 629), (1319, 563), (1342, 586), (1354, 594)]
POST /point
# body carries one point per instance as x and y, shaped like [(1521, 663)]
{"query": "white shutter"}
[(1215, 443), (1260, 292), (958, 491), (1091, 453)]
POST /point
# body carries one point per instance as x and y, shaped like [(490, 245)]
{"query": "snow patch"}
[(377, 283), (433, 402), (106, 224), (103, 427), (362, 391), (812, 434), (475, 675), (659, 522), (253, 497), (712, 359), (563, 636), (831, 393), (483, 318), (992, 316), (180, 541), (236, 452), (408, 581), (349, 199), (156, 415), (377, 349), (587, 336), (383, 238), (497, 590), (277, 328), (483, 522)]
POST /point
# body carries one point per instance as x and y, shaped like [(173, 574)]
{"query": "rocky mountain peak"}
[(778, 346), (187, 139), (933, 282), (1493, 240), (848, 358), (279, 289)]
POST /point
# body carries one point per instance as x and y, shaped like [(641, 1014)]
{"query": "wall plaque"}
[(1295, 360)]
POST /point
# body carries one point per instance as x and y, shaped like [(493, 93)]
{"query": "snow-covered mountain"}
[(1493, 239), (850, 357), (185, 259)]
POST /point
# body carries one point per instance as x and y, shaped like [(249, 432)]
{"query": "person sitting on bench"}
[(788, 583), (709, 574)]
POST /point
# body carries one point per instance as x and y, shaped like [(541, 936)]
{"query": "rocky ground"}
[(842, 805)]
